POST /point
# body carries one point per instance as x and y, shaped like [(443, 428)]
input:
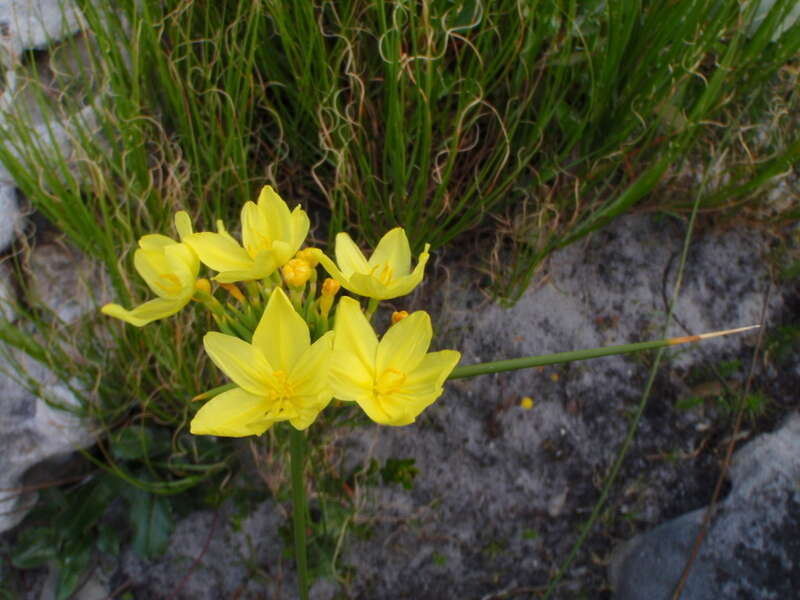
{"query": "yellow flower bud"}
[(398, 316), (526, 403), (330, 287), (234, 291), (203, 284), (296, 272), (310, 255)]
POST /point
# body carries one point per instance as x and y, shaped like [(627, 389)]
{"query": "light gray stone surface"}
[(33, 430), (752, 548), (26, 24)]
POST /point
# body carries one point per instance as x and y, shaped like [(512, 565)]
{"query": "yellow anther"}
[(203, 284), (526, 403), (398, 316), (330, 287), (310, 255), (234, 291), (296, 272)]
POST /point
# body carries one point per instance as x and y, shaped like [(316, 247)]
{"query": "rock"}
[(209, 558), (65, 281), (33, 431), (752, 549), (31, 24), (11, 220)]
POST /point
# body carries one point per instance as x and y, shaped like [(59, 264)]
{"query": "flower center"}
[(280, 396), (382, 273), (259, 243), (389, 382), (170, 283)]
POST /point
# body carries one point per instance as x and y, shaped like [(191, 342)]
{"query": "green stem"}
[(562, 357), (371, 308), (298, 443)]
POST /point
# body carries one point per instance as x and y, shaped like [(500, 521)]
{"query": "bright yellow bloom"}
[(271, 235), (392, 380), (296, 272), (526, 403), (280, 376), (169, 268), (387, 274)]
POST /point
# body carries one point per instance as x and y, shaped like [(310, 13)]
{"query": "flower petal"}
[(145, 313), (235, 413), (281, 335), (393, 250), (219, 251), (309, 375), (276, 214), (432, 371), (183, 224), (374, 409), (404, 285), (355, 344), (240, 361), (349, 258), (155, 241), (333, 270), (300, 226), (151, 265), (184, 264), (404, 345), (255, 230)]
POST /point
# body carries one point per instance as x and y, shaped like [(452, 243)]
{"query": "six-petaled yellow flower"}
[(271, 235), (169, 268), (395, 379), (281, 376), (387, 274)]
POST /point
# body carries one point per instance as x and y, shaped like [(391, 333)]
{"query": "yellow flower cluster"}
[(285, 361)]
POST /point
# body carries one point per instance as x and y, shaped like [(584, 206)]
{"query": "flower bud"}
[(398, 316), (296, 272), (310, 255), (203, 284), (330, 287), (526, 403), (234, 291)]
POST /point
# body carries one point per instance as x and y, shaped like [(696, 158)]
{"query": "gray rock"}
[(11, 219), (752, 549), (29, 24), (65, 282), (34, 427)]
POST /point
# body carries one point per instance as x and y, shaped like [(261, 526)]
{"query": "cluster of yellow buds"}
[(277, 346)]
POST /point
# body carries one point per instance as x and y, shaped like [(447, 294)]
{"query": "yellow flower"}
[(392, 380), (280, 376), (169, 268), (387, 274), (271, 235)]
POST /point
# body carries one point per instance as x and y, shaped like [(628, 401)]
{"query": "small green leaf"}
[(135, 443), (34, 548), (72, 567), (151, 517), (400, 471), (108, 541)]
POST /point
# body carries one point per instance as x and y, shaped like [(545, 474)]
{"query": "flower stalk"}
[(297, 441), (527, 362)]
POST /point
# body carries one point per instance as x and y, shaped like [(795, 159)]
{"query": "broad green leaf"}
[(151, 517)]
